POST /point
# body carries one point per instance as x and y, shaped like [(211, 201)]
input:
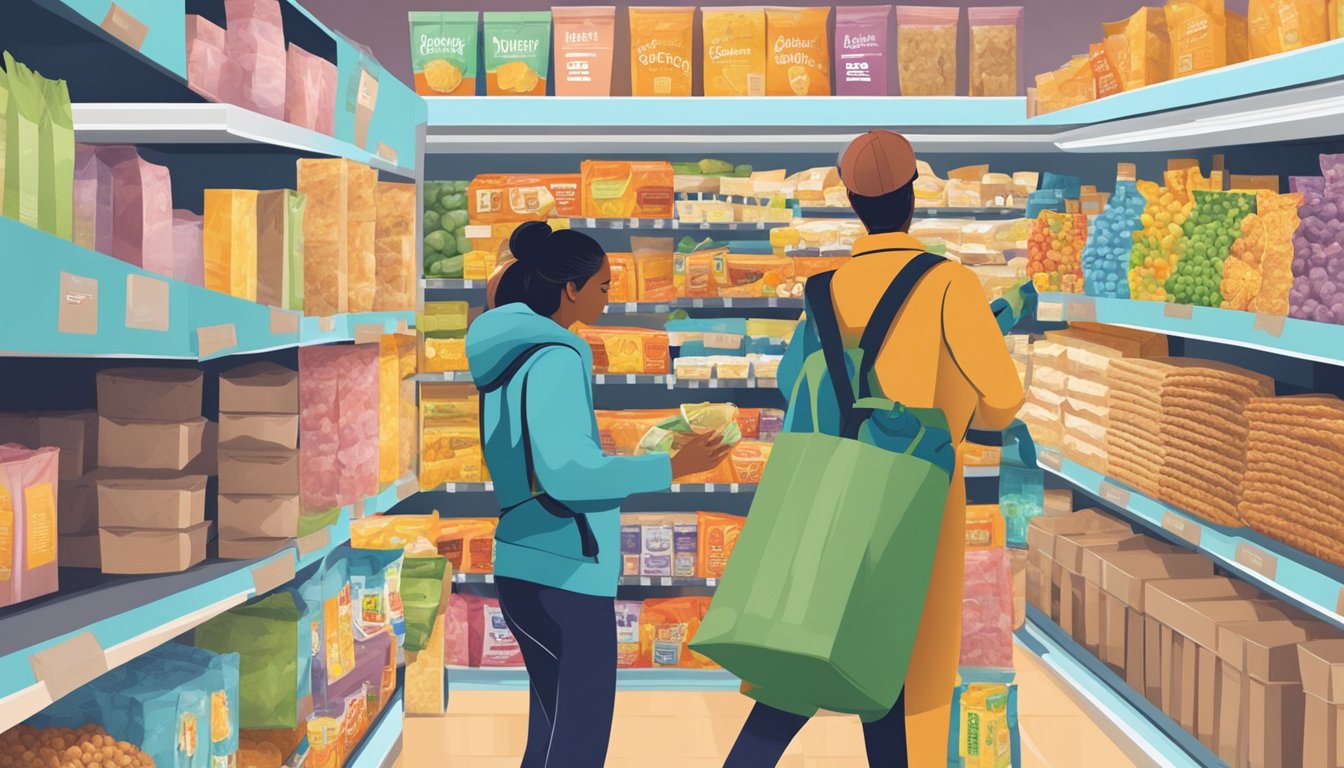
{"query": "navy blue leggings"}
[(568, 642), (768, 731)]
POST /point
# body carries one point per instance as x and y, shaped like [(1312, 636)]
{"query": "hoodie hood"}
[(498, 336)]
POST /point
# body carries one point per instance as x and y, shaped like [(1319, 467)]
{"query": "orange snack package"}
[(749, 423), (717, 534), (1199, 36), (985, 527), (618, 189), (1067, 86), (1336, 14), (509, 198), (722, 474), (661, 50), (1238, 38), (653, 268), (666, 629), (620, 431), (628, 634), (627, 350), (735, 51), (756, 276), (584, 38), (1277, 26), (749, 458), (623, 287), (800, 58), (1145, 58), (1105, 76), (468, 543)]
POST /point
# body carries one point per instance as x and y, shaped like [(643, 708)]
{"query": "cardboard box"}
[(1089, 563), (261, 517), (1276, 727), (1321, 663), (276, 429), (250, 549), (75, 433), (1259, 653), (77, 507), (149, 394), (78, 550), (248, 466), (1041, 532), (130, 551), (1034, 586), (174, 503), (259, 388), (1123, 575), (149, 444), (1322, 724), (1152, 661)]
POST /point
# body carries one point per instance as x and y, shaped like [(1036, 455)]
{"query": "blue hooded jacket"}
[(531, 544)]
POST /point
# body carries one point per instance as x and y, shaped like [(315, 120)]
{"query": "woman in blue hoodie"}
[(557, 547)]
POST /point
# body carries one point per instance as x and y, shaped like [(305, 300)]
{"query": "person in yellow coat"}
[(952, 357)]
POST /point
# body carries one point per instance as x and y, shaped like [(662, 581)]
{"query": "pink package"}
[(338, 425), (188, 251), (359, 447), (210, 70), (456, 629), (491, 642), (256, 40), (326, 116), (142, 210), (28, 486), (305, 96), (987, 610), (861, 44), (93, 200)]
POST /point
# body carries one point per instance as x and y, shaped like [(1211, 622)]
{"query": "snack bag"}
[(468, 543), (1258, 276), (996, 48), (1336, 13), (1201, 255), (800, 59), (1054, 252), (1153, 259), (718, 534), (735, 51), (984, 732), (1199, 36), (666, 629), (1068, 86), (661, 51), (1145, 57), (1106, 258), (1276, 26), (583, 49), (517, 52), (654, 266), (625, 189), (1105, 76), (443, 52), (230, 242), (627, 633), (861, 42), (987, 610), (926, 47)]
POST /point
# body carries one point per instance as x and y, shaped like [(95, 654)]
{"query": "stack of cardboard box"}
[(152, 472), (258, 460), (75, 434), (1321, 664)]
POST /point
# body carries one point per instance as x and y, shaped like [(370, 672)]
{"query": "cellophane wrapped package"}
[(996, 50), (1214, 224), (211, 72), (926, 49), (361, 216), (93, 200), (490, 642), (188, 247), (1258, 275), (394, 247), (28, 480), (338, 425), (142, 210), (987, 610), (1055, 252), (1106, 256), (389, 417), (256, 40), (325, 277), (307, 95), (456, 629), (1318, 248), (230, 242)]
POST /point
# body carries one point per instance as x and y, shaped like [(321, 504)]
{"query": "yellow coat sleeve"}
[(976, 345)]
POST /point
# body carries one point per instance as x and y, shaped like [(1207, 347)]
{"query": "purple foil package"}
[(631, 545), (685, 546), (861, 44)]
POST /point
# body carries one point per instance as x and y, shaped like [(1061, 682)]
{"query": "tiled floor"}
[(696, 730)]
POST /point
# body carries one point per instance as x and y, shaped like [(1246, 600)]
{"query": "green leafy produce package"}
[(1202, 252), (445, 228), (421, 595), (57, 162), (269, 635), (23, 117)]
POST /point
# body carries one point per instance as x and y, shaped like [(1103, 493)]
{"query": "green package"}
[(296, 206), (517, 52), (421, 593), (23, 118), (269, 635), (280, 248), (57, 176), (4, 131), (443, 52)]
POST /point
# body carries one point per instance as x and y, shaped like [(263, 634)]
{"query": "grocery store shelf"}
[(601, 379), (976, 472), (459, 377), (382, 742), (750, 382), (212, 124), (451, 284), (61, 300), (676, 488), (1151, 736), (1321, 342), (677, 224), (104, 627), (515, 678), (1298, 578), (659, 308), (626, 581)]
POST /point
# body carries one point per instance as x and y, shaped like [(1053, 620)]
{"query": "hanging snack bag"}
[(861, 41), (1199, 36), (799, 59), (443, 52), (584, 49), (517, 52), (735, 51), (661, 50), (1277, 26), (996, 49), (1145, 56), (926, 49)]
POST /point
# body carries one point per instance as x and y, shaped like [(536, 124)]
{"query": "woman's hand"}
[(702, 453)]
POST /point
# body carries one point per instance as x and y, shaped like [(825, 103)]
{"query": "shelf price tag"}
[(314, 541), (269, 576), (659, 223), (1271, 324), (1182, 311), (1082, 310), (1050, 459), (1050, 312), (1258, 560), (477, 231), (1186, 530), (1114, 494), (125, 27), (66, 666)]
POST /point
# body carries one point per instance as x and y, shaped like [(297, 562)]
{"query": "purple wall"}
[(1055, 29)]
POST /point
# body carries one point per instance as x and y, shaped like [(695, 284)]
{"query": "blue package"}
[(162, 707), (1110, 240), (1044, 200), (220, 679), (1070, 186)]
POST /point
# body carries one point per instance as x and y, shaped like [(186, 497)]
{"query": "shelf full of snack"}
[(212, 229)]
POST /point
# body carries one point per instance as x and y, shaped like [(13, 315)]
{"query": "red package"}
[(456, 629), (987, 610), (210, 70), (256, 40), (305, 95), (28, 483), (142, 210), (491, 644), (319, 428)]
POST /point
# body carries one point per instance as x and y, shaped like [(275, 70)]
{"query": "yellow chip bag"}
[(1336, 14), (517, 52), (734, 51), (800, 59), (1199, 36), (661, 49), (1145, 57), (1277, 26)]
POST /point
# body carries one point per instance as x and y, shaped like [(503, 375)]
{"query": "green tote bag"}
[(821, 600)]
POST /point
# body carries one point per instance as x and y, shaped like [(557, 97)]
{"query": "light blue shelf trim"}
[(1294, 576), (382, 743), (166, 37), (511, 679), (1321, 342)]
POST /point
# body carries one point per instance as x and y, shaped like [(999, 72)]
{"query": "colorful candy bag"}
[(1106, 258), (1318, 248), (1258, 275), (1201, 254), (987, 610), (1153, 260), (1054, 252)]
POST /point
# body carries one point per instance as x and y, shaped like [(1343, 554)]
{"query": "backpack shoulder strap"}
[(500, 382), (821, 310), (884, 315)]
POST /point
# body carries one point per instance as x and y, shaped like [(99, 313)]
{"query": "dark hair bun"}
[(529, 242)]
